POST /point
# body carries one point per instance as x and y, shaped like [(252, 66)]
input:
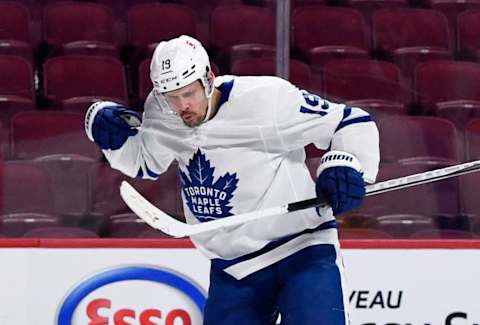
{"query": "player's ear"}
[(210, 76)]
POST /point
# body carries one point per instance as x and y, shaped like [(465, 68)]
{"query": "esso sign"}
[(134, 296), (128, 316)]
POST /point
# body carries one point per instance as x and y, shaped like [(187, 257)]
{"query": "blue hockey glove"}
[(340, 181), (109, 124)]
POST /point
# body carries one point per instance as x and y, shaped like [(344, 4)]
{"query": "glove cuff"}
[(339, 158), (92, 112)]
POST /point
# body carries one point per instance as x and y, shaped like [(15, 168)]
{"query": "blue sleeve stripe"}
[(346, 112), (361, 119)]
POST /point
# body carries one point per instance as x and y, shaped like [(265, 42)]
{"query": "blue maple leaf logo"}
[(207, 199)]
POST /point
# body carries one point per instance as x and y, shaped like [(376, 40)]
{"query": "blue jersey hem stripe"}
[(149, 173), (222, 264)]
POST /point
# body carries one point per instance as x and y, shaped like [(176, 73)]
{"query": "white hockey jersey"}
[(251, 156)]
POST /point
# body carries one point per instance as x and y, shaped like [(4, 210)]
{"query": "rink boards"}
[(152, 282)]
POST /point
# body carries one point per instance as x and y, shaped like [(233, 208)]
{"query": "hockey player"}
[(239, 143)]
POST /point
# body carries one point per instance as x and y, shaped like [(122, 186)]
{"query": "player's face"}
[(189, 102)]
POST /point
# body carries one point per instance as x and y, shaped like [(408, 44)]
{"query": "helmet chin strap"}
[(209, 88)]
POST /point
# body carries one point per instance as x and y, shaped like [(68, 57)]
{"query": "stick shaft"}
[(399, 183)]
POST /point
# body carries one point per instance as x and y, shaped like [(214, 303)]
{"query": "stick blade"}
[(153, 216)]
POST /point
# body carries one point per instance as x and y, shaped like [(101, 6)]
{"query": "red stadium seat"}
[(300, 73), (15, 29), (240, 24), (319, 37), (408, 58), (79, 28), (437, 199), (145, 29), (353, 79), (11, 105), (472, 140), (104, 196), (460, 112), (408, 36), (251, 51), (125, 225), (68, 175), (66, 77), (441, 82), (26, 189), (467, 36), (407, 27), (60, 232), (403, 225), (443, 234), (368, 7), (379, 108), (152, 233), (17, 77), (362, 233), (17, 224), (37, 133), (452, 8), (419, 139)]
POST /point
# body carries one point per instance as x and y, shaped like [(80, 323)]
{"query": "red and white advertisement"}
[(100, 283)]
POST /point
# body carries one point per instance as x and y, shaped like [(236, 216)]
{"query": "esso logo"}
[(134, 295)]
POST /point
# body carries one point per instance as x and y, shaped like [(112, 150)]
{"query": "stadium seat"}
[(443, 234), (152, 233), (104, 196), (452, 8), (26, 189), (318, 37), (17, 77), (60, 232), (468, 44), (125, 225), (240, 24), (460, 112), (17, 224), (15, 30), (362, 233), (379, 108), (251, 51), (68, 175), (472, 140), (407, 36), (408, 27), (72, 27), (67, 77), (356, 79), (368, 7), (41, 133), (403, 225), (408, 58), (300, 74), (11, 105), (419, 139), (438, 200), (145, 29), (442, 82)]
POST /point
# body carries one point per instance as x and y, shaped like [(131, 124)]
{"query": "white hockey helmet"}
[(177, 63)]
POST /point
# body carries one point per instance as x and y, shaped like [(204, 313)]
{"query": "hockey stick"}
[(158, 219)]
